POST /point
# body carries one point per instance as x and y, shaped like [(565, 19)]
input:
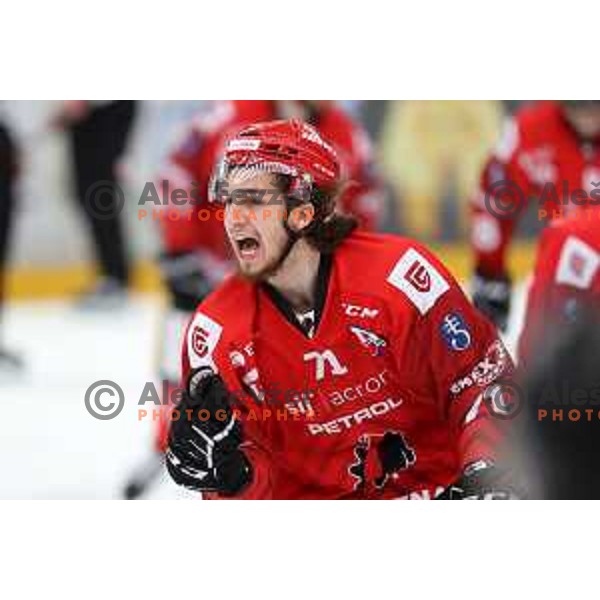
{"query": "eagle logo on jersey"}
[(369, 340)]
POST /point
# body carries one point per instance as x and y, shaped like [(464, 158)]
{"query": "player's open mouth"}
[(247, 247)]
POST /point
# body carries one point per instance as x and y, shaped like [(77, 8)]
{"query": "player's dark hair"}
[(328, 228)]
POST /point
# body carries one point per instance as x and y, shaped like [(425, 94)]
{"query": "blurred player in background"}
[(9, 362), (196, 254), (433, 150), (566, 279), (556, 143), (98, 132), (359, 347)]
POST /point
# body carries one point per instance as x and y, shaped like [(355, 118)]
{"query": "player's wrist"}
[(487, 277), (184, 278), (491, 294), (235, 474)]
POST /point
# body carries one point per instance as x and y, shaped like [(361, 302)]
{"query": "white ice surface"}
[(50, 446)]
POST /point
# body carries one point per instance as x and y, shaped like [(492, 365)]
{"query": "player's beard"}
[(270, 269)]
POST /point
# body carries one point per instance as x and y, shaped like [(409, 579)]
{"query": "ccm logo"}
[(353, 310)]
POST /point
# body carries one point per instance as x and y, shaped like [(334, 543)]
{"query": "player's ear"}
[(302, 216)]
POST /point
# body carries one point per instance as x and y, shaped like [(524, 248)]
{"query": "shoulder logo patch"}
[(203, 337), (416, 277), (455, 332), (578, 264)]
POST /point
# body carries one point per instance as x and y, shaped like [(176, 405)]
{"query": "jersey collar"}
[(285, 307)]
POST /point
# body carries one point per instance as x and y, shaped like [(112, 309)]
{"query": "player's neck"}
[(296, 280)]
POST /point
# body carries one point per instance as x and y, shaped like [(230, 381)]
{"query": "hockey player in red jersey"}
[(550, 151), (336, 363), (196, 255), (566, 279)]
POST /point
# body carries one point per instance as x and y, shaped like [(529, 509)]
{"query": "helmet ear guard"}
[(217, 186), (301, 188)]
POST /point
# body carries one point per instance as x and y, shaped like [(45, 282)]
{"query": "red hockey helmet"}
[(291, 148)]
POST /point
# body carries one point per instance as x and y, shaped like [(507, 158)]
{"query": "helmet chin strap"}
[(292, 238)]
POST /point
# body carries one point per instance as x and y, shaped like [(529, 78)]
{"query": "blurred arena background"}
[(430, 152)]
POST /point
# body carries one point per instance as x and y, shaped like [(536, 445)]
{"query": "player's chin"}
[(259, 269), (253, 270)]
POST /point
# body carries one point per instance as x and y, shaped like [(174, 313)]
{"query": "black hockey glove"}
[(480, 481), (203, 452), (184, 278), (491, 295)]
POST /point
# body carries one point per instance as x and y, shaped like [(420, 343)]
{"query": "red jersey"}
[(383, 401), (540, 156), (192, 163), (566, 277)]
